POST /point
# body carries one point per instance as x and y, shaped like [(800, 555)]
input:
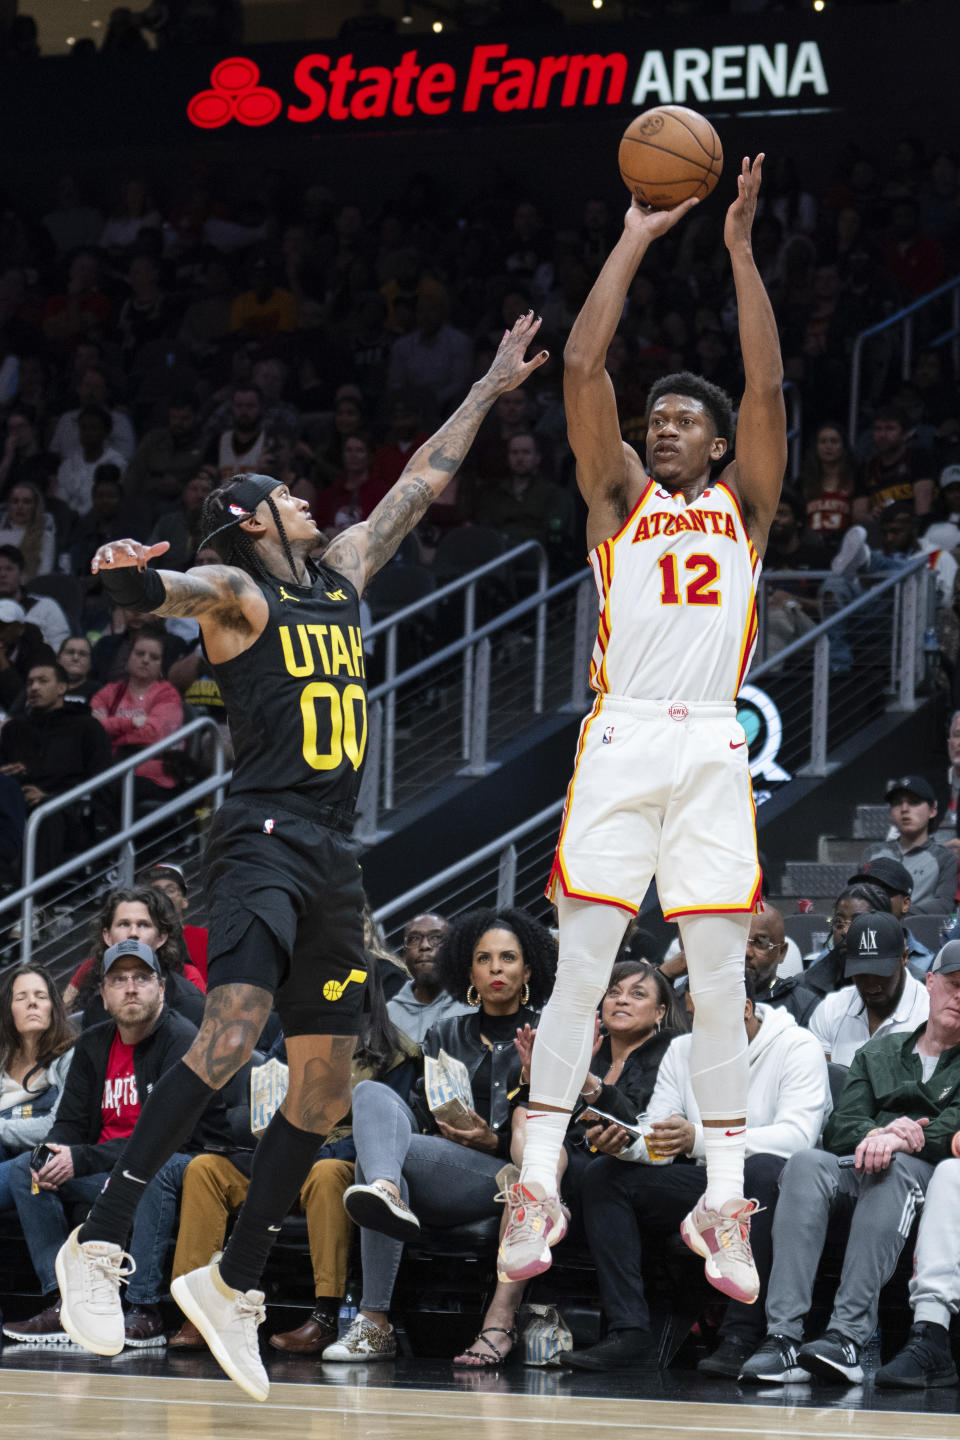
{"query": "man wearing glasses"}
[(766, 951), (421, 1002)]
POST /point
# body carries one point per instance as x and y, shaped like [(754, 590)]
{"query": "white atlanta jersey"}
[(677, 587)]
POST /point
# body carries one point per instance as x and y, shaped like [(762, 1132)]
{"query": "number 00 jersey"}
[(677, 587), (297, 699)]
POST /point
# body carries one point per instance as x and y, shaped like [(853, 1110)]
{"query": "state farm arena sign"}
[(500, 79)]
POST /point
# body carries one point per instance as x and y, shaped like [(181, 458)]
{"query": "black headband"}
[(245, 496)]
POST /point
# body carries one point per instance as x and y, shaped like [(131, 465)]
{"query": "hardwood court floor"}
[(74, 1397)]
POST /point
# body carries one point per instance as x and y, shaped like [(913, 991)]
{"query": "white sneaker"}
[(228, 1320), (536, 1222), (363, 1341), (854, 553), (89, 1277), (722, 1239)]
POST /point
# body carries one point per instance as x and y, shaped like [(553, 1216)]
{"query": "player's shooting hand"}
[(608, 1139), (122, 554), (509, 368), (739, 222), (474, 1133), (643, 223)]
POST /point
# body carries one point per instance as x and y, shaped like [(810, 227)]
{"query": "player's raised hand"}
[(648, 224), (739, 221), (509, 368), (123, 554)]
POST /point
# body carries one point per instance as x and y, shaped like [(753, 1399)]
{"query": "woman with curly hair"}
[(36, 1043), (502, 964)]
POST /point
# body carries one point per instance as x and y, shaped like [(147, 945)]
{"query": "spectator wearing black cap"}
[(925, 1359), (896, 882), (933, 867), (114, 1068), (893, 1123), (169, 878), (884, 997)]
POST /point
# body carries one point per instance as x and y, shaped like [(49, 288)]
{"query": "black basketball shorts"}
[(302, 879)]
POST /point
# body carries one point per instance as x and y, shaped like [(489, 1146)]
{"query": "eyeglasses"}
[(422, 937), (116, 982), (760, 942)]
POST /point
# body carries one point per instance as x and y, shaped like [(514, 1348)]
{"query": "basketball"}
[(669, 154)]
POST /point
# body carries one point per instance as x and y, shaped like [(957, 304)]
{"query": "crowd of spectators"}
[(852, 1110)]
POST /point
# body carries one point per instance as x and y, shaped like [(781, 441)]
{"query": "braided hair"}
[(227, 507)]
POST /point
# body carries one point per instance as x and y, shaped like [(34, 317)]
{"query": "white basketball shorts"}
[(660, 789)]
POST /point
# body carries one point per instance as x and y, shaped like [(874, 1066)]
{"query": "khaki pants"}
[(213, 1188)]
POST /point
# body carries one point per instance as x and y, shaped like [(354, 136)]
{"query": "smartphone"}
[(590, 1116), (39, 1157)]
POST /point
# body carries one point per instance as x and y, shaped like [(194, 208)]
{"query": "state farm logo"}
[(235, 94)]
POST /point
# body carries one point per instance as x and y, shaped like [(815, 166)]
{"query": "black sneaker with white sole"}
[(925, 1360), (775, 1362), (834, 1359), (728, 1359), (374, 1208)]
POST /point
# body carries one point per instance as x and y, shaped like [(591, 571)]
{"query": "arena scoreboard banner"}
[(854, 66)]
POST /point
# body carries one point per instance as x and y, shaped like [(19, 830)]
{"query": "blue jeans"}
[(6, 1194), (46, 1223)]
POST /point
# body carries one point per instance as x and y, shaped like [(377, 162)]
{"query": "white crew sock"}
[(541, 1150), (715, 947)]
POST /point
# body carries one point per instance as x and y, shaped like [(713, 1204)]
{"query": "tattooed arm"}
[(363, 549), (225, 600)]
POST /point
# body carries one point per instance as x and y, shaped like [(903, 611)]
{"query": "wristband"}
[(134, 589)]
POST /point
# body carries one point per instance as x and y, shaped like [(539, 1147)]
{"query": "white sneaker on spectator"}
[(363, 1341), (228, 1320), (536, 1222), (89, 1277), (854, 553)]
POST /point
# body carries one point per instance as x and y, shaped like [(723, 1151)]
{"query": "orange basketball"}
[(668, 154)]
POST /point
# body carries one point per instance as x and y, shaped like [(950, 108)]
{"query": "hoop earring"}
[(524, 993), (473, 996)]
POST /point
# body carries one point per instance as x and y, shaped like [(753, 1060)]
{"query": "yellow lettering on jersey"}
[(356, 648), (318, 632), (335, 595), (728, 528), (339, 654), (294, 666)]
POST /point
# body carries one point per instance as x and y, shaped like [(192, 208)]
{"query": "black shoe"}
[(621, 1349), (774, 1363), (925, 1360), (728, 1358), (834, 1359)]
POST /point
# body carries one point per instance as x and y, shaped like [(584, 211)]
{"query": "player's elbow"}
[(580, 358)]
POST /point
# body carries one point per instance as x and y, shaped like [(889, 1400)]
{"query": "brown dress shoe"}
[(318, 1331), (41, 1329), (188, 1337)]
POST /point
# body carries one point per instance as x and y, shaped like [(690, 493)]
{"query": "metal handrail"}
[(903, 317), (453, 872), (451, 588)]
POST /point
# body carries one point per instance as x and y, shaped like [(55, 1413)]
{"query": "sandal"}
[(494, 1359)]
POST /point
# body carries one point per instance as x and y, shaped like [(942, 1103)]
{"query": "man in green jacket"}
[(895, 1120)]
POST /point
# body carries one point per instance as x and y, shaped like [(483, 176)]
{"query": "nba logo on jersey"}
[(268, 826), (608, 734)]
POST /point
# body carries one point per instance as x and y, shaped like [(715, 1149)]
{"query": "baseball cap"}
[(884, 870), (947, 959), (949, 475), (11, 613), (130, 947), (874, 945), (916, 786), (171, 869)]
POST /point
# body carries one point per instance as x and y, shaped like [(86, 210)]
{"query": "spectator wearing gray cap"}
[(933, 866), (925, 1359), (43, 611), (115, 1066), (894, 1122), (884, 997), (896, 882)]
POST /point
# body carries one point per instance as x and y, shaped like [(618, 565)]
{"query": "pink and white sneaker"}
[(722, 1238), (536, 1222)]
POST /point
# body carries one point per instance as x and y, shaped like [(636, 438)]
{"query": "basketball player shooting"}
[(662, 783), (283, 886)]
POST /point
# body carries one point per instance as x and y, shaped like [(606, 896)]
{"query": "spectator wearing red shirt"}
[(916, 261), (170, 879), (354, 494), (138, 711)]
